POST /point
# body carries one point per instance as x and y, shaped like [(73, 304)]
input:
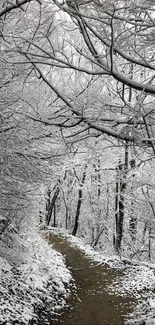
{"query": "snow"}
[(144, 313), (137, 280), (113, 261), (33, 278)]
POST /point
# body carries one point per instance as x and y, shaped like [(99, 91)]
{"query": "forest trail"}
[(93, 304)]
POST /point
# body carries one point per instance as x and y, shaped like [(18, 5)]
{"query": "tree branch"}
[(16, 5)]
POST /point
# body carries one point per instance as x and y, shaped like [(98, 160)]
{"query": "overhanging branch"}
[(16, 5)]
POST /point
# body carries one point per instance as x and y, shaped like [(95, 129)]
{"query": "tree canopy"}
[(77, 79)]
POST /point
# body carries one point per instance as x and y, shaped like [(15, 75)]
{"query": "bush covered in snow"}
[(144, 313), (34, 281)]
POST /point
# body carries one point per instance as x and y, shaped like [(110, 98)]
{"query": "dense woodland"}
[(77, 119)]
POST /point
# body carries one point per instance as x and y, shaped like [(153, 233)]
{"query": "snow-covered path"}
[(93, 303)]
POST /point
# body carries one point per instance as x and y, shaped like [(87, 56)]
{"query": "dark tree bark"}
[(67, 210), (133, 217), (95, 242), (116, 204), (148, 224), (48, 198), (119, 201), (54, 214), (79, 203), (52, 207)]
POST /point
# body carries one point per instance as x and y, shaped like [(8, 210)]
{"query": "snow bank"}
[(34, 280)]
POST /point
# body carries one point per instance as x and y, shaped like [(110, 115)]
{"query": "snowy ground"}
[(32, 276), (138, 280)]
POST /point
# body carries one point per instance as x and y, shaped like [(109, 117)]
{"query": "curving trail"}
[(93, 304)]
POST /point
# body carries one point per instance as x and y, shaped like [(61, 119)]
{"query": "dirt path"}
[(93, 305)]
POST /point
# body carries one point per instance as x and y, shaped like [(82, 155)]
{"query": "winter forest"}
[(77, 130)]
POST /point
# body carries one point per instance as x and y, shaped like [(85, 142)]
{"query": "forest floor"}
[(51, 277), (93, 303), (108, 291)]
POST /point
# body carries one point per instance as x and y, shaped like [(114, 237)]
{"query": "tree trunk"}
[(149, 223), (54, 214), (150, 234), (120, 218), (95, 242), (116, 206), (119, 201), (133, 217), (79, 203), (51, 208), (48, 198)]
